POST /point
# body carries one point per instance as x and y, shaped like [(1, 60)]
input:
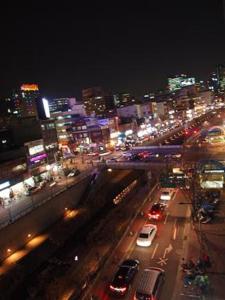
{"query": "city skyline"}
[(130, 48)]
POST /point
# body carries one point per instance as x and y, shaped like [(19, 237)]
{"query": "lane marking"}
[(162, 261), (175, 233), (175, 230), (166, 218), (174, 195), (154, 251), (190, 295), (167, 250)]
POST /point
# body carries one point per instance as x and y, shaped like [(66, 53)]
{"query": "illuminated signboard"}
[(43, 108), (4, 185), (36, 149), (179, 82), (46, 107), (114, 135), (29, 87), (38, 158)]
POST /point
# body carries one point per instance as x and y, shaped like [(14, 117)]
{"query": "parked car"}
[(124, 276), (73, 172)]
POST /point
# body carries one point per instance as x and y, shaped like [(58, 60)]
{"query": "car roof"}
[(129, 262), (156, 205), (148, 279), (147, 227), (120, 274)]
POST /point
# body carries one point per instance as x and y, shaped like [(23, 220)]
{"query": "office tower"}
[(24, 100), (221, 76), (97, 101)]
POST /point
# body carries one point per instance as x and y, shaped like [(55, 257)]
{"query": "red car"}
[(156, 211), (144, 155)]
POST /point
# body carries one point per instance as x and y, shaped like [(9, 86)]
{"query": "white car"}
[(146, 235), (166, 194)]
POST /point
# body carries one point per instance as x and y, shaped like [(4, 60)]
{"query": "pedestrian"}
[(190, 264), (202, 282), (200, 265), (11, 194), (206, 261), (188, 278)]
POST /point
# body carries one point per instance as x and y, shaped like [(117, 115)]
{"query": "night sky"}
[(124, 47)]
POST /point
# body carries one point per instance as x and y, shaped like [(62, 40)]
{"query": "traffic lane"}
[(166, 249), (125, 250), (164, 243)]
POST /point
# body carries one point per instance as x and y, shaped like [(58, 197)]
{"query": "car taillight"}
[(123, 289), (118, 289)]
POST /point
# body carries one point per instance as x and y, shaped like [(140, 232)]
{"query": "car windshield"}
[(143, 235), (156, 207), (165, 193), (120, 276)]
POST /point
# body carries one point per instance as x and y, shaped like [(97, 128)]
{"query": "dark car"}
[(124, 276), (156, 211), (73, 173)]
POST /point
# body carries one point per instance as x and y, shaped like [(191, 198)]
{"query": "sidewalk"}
[(216, 273), (25, 204)]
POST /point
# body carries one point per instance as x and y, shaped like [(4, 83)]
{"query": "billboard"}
[(43, 109), (27, 87), (177, 83)]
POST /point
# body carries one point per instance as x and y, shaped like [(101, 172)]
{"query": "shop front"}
[(14, 190)]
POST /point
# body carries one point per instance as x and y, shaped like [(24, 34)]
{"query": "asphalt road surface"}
[(165, 251)]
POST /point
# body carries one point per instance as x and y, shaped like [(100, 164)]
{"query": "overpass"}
[(139, 165), (161, 149)]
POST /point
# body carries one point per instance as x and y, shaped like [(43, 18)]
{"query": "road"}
[(169, 246), (165, 251)]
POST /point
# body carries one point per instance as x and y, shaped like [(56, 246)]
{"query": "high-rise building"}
[(213, 83), (97, 101), (59, 104), (123, 99), (221, 76), (24, 101)]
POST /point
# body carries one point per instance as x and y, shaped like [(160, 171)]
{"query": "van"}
[(149, 284)]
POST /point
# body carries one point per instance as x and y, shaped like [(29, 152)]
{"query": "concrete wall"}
[(14, 236)]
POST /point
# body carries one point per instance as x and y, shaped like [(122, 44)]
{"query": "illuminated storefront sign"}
[(4, 185), (36, 149), (114, 135), (38, 158), (128, 132), (214, 171)]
